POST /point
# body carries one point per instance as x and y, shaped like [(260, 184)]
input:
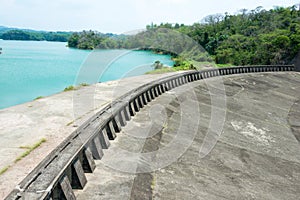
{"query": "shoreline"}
[(26, 124), (29, 72)]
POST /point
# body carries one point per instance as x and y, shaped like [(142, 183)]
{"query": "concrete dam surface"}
[(256, 155), (224, 137)]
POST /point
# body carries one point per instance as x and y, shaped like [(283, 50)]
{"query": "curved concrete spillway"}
[(256, 156), (63, 170)]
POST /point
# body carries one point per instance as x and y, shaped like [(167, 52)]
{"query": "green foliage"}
[(182, 64), (84, 84), (157, 65), (248, 38), (39, 97), (275, 48), (4, 169), (73, 40), (160, 41), (88, 40), (16, 34), (235, 50), (162, 71), (70, 88)]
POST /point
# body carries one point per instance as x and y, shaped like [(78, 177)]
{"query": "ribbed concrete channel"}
[(255, 156), (53, 118)]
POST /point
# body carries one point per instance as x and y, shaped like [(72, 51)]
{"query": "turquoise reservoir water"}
[(29, 69)]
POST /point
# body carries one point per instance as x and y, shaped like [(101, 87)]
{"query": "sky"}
[(118, 16)]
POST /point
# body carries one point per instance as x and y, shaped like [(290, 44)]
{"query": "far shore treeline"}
[(19, 34), (255, 37)]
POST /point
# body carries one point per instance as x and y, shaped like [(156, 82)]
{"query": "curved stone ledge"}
[(64, 169)]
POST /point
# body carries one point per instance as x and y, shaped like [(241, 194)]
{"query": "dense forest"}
[(17, 34), (252, 37)]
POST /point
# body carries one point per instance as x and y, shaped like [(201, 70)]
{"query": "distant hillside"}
[(7, 33), (4, 29), (251, 37)]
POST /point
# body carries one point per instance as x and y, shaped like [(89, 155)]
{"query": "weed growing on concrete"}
[(153, 183), (69, 88), (84, 84), (72, 87), (29, 149), (4, 169), (68, 124), (39, 97), (161, 71)]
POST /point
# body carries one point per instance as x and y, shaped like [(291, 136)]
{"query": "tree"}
[(249, 37), (73, 40), (157, 65)]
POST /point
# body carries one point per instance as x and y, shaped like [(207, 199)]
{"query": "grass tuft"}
[(153, 183), (24, 147), (29, 149), (72, 87), (84, 84), (39, 97), (68, 124), (4, 169), (69, 88), (161, 71)]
